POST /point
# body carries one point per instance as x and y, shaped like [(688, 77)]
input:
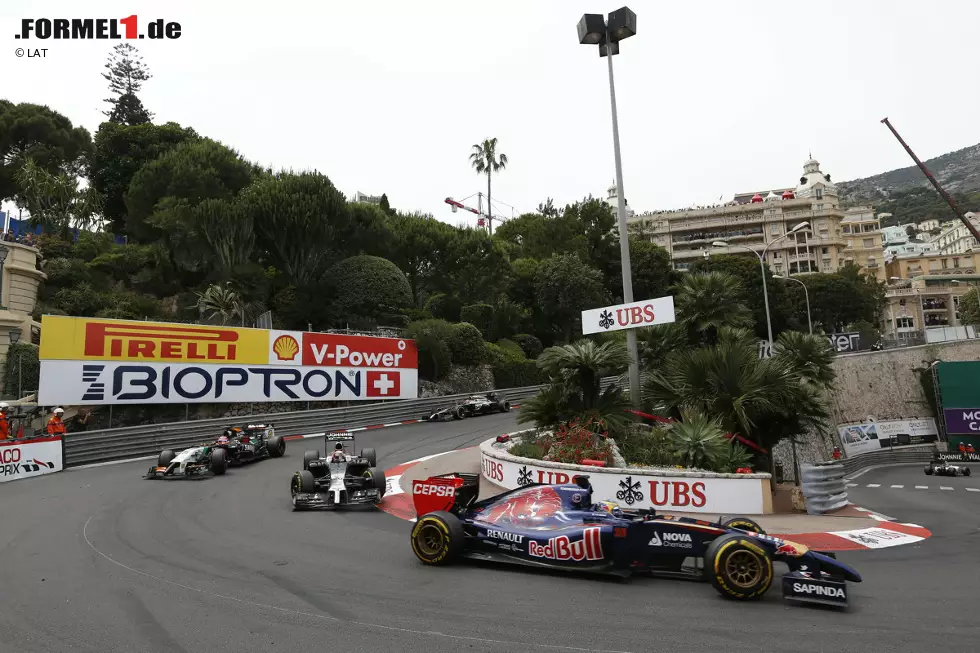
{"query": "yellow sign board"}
[(83, 338)]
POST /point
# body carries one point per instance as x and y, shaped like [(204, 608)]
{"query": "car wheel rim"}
[(430, 540), (744, 569)]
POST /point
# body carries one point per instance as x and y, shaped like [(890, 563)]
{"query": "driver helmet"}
[(338, 451), (609, 506), (223, 440), (4, 406)]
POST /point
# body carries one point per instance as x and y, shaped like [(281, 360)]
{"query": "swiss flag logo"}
[(383, 384)]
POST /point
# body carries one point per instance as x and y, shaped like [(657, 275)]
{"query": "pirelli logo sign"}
[(117, 340)]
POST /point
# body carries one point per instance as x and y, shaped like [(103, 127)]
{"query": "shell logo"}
[(285, 348)]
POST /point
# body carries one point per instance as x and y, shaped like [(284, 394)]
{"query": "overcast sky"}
[(387, 96)]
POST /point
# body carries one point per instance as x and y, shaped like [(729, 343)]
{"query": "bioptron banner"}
[(93, 361), (873, 436)]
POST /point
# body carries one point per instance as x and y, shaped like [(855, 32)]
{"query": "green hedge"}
[(511, 370), (432, 338), (530, 345), (23, 369), (466, 344), (480, 316)]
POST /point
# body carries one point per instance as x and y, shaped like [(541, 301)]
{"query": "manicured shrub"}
[(530, 345), (466, 344)]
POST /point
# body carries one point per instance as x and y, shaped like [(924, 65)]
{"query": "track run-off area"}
[(100, 560)]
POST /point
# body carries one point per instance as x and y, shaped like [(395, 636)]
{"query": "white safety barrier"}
[(666, 490), (29, 458)]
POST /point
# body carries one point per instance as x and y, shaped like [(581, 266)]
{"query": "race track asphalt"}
[(100, 560)]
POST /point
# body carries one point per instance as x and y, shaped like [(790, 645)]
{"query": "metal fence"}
[(135, 441), (914, 454)]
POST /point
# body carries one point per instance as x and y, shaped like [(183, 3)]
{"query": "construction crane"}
[(484, 218), (949, 200)]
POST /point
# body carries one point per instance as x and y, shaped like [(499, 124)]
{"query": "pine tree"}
[(126, 74)]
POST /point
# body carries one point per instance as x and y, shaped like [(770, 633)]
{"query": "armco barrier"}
[(915, 454), (89, 447), (824, 487)]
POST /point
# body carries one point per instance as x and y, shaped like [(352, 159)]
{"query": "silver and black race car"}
[(339, 479), (470, 407), (944, 468), (236, 446)]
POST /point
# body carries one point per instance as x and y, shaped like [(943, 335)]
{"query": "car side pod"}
[(802, 587)]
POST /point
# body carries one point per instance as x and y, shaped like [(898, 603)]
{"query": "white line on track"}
[(852, 485), (874, 485), (898, 486), (921, 487), (943, 487), (972, 489), (424, 633)]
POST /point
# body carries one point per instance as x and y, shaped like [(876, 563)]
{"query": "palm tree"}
[(811, 356), (221, 301), (485, 160), (708, 301)]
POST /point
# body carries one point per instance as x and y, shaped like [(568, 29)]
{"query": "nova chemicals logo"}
[(97, 28)]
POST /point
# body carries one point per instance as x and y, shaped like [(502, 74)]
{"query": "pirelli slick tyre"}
[(966, 471), (377, 476), (219, 462), (165, 458), (371, 456), (302, 482), (738, 568), (743, 523), (929, 470), (309, 457), (438, 538), (505, 406), (276, 446), (459, 412)]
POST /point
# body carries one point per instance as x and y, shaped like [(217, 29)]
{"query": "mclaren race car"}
[(558, 526), (944, 468), (235, 446), (470, 407), (340, 479)]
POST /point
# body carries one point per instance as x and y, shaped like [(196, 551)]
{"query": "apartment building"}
[(955, 238), (762, 220), (861, 230), (925, 301)]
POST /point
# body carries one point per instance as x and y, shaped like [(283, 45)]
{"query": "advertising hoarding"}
[(669, 493), (958, 393), (92, 361), (649, 312), (872, 436), (28, 458)]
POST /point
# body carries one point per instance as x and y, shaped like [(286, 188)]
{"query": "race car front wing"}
[(803, 587), (336, 498)]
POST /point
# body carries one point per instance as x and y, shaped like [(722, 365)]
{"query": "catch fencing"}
[(88, 447)]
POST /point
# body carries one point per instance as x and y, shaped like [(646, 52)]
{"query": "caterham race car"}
[(558, 526), (470, 407), (339, 479), (945, 468), (236, 446)]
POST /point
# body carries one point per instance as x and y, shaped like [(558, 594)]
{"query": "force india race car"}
[(557, 526), (235, 446), (944, 468), (470, 407), (339, 479)]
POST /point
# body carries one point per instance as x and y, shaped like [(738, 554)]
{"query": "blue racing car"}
[(558, 526)]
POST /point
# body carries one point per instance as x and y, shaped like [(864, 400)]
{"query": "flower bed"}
[(669, 489)]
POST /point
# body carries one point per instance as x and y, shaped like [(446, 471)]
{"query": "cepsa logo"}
[(96, 28), (135, 341)]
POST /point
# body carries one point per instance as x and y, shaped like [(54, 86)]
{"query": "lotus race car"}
[(339, 479), (944, 468), (235, 446), (557, 526), (470, 407)]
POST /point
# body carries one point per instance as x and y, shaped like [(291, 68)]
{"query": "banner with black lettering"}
[(28, 458)]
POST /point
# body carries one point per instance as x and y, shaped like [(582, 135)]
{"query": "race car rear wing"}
[(445, 492)]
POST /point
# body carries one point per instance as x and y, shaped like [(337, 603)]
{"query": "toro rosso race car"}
[(470, 407), (235, 446), (944, 468), (340, 479), (557, 526)]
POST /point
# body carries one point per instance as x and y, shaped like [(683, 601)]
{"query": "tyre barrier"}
[(89, 447), (824, 488)]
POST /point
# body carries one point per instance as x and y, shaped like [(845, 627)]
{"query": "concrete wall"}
[(881, 384)]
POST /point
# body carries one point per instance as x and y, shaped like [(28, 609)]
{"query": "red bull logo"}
[(792, 549), (562, 548)]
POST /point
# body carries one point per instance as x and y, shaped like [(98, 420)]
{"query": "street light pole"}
[(594, 29), (806, 293), (762, 264)]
